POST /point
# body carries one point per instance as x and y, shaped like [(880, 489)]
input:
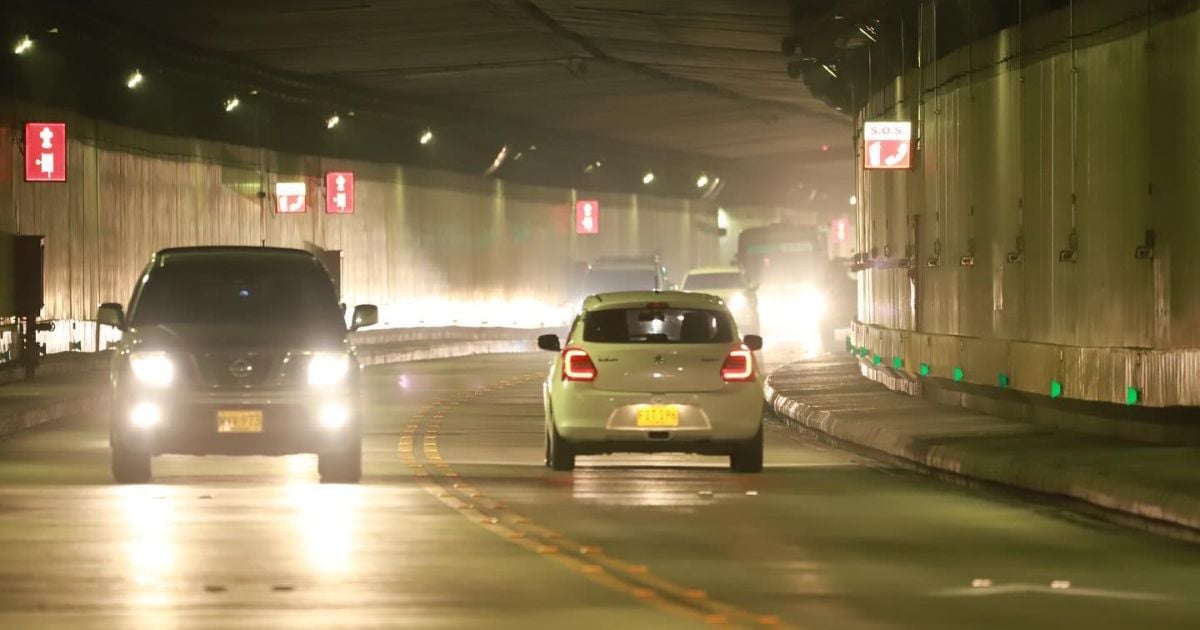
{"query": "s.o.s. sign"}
[(887, 145)]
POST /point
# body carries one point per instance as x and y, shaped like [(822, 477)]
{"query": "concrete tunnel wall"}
[(429, 247), (1033, 142)]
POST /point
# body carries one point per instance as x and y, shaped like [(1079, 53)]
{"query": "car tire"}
[(561, 457), (748, 456), (130, 465), (343, 467)]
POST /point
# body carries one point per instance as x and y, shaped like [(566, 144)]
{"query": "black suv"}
[(237, 351)]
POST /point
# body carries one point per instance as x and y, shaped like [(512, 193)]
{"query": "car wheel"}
[(130, 465), (343, 467), (748, 456), (560, 453)]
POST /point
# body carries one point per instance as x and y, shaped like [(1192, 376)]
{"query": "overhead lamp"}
[(426, 136), (648, 178), (854, 200), (134, 79), (869, 32), (702, 181), (831, 69), (23, 45), (593, 166), (232, 103), (332, 121)]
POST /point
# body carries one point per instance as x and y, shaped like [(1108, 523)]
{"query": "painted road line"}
[(440, 480)]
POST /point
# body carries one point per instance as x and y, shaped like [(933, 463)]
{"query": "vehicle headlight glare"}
[(327, 369), (145, 415), (152, 368), (334, 415), (737, 301)]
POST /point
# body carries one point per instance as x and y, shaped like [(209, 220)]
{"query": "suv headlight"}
[(327, 369), (152, 368)]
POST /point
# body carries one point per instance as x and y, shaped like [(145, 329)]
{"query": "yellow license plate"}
[(239, 421), (658, 416)]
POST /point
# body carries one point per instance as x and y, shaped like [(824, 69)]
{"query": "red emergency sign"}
[(339, 192), (290, 197), (841, 230), (45, 152), (587, 216), (887, 145)]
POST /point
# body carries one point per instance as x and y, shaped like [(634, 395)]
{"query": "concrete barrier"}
[(34, 405)]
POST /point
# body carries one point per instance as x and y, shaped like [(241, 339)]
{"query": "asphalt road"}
[(458, 525)]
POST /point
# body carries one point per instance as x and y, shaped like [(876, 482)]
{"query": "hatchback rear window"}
[(657, 325)]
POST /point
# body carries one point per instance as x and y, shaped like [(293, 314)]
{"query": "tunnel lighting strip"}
[(135, 79), (418, 448)]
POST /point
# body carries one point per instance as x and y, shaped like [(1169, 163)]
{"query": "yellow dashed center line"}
[(635, 580)]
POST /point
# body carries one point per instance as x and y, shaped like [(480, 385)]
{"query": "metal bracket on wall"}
[(1017, 256), (1071, 253), (1145, 251), (967, 261)]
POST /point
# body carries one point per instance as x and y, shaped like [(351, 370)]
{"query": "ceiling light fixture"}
[(426, 136), (134, 79), (648, 178), (831, 69), (232, 103), (332, 121), (23, 45), (702, 181)]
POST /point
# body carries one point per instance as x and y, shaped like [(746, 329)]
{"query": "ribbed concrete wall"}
[(1034, 142), (429, 247)]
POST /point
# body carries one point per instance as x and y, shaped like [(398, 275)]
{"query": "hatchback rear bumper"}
[(708, 421)]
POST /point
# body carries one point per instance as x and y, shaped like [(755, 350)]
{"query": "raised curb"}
[(1006, 468)]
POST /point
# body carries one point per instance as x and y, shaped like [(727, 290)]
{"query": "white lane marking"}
[(1014, 589)]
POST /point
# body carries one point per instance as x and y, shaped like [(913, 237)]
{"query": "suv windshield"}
[(276, 295), (723, 280), (657, 325), (610, 280)]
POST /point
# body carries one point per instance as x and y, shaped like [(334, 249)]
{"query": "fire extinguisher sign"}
[(887, 145)]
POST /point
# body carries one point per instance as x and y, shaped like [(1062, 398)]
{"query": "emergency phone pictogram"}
[(587, 216), (339, 192), (45, 152)]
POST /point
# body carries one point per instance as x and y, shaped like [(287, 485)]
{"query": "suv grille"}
[(238, 369)]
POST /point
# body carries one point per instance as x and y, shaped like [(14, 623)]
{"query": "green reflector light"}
[(876, 359), (863, 351), (925, 369), (1002, 381), (1132, 396), (958, 374), (1055, 388), (898, 363)]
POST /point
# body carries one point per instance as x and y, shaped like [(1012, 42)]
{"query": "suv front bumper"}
[(188, 423)]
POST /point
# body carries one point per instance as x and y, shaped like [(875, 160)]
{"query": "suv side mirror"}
[(111, 314), (364, 315), (753, 342), (549, 342)]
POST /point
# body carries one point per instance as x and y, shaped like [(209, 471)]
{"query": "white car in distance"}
[(654, 372), (732, 286)]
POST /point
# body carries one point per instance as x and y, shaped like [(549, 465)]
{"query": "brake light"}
[(739, 366), (578, 366)]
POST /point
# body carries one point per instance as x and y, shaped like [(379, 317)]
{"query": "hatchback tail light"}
[(578, 366), (739, 366)]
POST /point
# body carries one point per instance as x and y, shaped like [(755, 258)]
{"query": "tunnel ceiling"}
[(704, 78)]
